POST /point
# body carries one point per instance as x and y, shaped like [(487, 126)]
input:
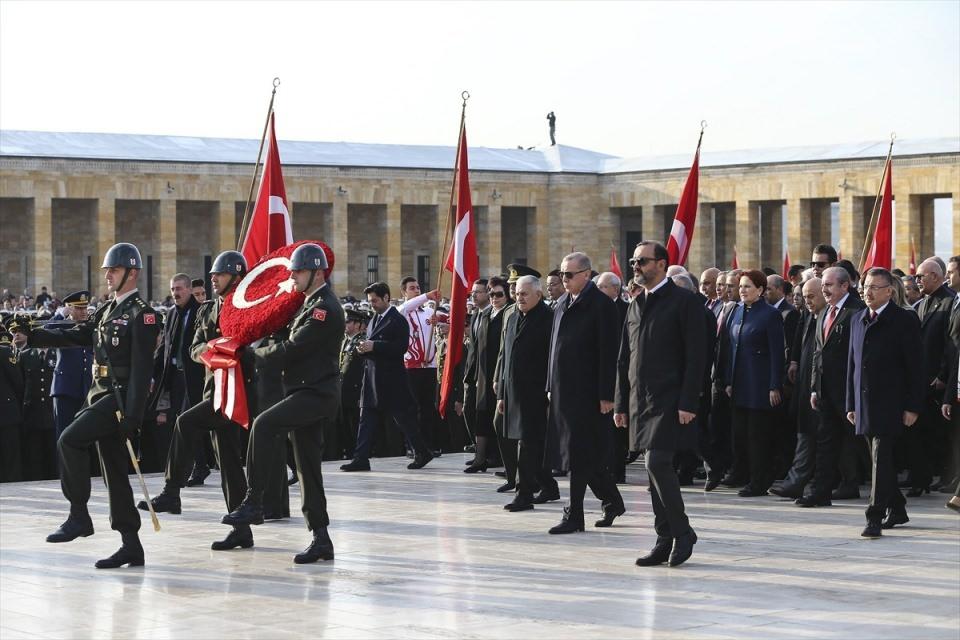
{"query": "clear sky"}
[(627, 79)]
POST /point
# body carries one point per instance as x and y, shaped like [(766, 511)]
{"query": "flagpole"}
[(256, 167), (872, 228), (465, 95)]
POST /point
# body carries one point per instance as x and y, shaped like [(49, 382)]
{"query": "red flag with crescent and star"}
[(270, 226), (464, 265), (681, 233), (880, 253)]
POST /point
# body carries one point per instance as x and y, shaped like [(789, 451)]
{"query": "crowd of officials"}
[(806, 387)]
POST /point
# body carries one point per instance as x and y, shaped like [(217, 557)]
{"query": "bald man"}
[(708, 287)]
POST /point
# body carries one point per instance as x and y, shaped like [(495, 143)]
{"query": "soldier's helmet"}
[(122, 254), (231, 262), (308, 257)]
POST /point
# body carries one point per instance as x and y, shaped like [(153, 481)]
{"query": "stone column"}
[(394, 248), (168, 241), (748, 234), (700, 255), (955, 197), (106, 225), (538, 234), (853, 221), (340, 243), (772, 250), (227, 225), (42, 274), (799, 229), (925, 239), (650, 222), (492, 262)]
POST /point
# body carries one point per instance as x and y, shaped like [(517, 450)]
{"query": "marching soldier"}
[(227, 271), (11, 412), (311, 388), (123, 334), (39, 440), (72, 377), (351, 379)]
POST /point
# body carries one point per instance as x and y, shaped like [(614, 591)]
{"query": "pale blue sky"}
[(623, 78)]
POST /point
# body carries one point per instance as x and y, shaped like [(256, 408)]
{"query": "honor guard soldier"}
[(39, 440), (309, 360), (73, 375), (351, 379), (227, 271), (11, 410), (123, 334)]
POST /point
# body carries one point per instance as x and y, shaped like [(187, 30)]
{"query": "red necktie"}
[(829, 323), (873, 316)]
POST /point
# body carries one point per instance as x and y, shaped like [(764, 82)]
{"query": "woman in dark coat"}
[(753, 377)]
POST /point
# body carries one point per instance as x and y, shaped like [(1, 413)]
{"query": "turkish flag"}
[(735, 263), (464, 265), (615, 264), (270, 227), (880, 253), (681, 233), (913, 257), (786, 264)]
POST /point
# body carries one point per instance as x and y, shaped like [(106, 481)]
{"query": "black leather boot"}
[(249, 512), (77, 525), (165, 502), (241, 536), (659, 554), (320, 549), (682, 548), (609, 515), (569, 524), (130, 552)]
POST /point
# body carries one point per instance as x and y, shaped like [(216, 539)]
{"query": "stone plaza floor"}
[(431, 554)]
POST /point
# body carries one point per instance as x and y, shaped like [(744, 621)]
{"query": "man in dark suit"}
[(174, 371), (521, 392), (884, 391), (927, 442), (610, 284), (708, 287), (828, 388), (386, 390), (581, 377), (481, 300), (663, 354), (786, 438), (308, 356), (952, 476), (799, 372), (721, 410)]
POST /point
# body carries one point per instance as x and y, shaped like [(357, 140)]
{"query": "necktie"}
[(376, 323), (829, 322), (873, 316)]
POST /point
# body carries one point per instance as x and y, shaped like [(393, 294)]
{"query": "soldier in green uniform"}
[(309, 361), (227, 271), (39, 437), (123, 334), (351, 379)]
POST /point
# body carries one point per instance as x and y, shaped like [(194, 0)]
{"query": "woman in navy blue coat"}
[(753, 376)]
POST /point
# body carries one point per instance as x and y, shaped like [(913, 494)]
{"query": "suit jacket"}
[(829, 370), (11, 389), (163, 368), (385, 383), (884, 376), (489, 339), (754, 364), (660, 368), (791, 318), (804, 345), (715, 306), (523, 373), (582, 371), (934, 318), (952, 339)]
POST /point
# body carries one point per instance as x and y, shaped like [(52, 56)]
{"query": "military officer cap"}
[(4, 337), (231, 262), (357, 316), (517, 270), (19, 324), (309, 257), (122, 254), (77, 299)]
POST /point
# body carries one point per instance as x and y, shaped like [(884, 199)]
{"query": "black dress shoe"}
[(895, 517), (506, 487), (163, 502), (470, 461), (732, 481), (130, 552), (240, 537), (872, 530), (609, 515), (75, 526), (916, 492), (682, 549), (500, 474), (420, 461), (249, 512), (476, 468), (750, 492), (320, 549), (785, 492), (845, 493), (568, 524), (197, 477), (545, 497), (658, 555), (520, 503), (357, 464), (709, 485), (813, 501)]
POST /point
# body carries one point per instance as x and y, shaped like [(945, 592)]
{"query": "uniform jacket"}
[(385, 383), (523, 382), (38, 367), (804, 345), (126, 334), (11, 388), (206, 329), (73, 375), (884, 376), (663, 354)]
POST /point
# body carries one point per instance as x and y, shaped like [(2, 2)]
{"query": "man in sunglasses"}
[(824, 256), (581, 376)]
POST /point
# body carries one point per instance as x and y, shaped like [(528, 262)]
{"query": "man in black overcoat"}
[(581, 377), (663, 354), (521, 392)]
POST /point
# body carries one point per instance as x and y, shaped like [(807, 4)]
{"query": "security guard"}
[(73, 375), (227, 271), (351, 379), (311, 394), (39, 438), (11, 411), (123, 334)]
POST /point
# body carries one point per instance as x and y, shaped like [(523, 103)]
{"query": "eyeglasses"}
[(640, 261), (568, 275), (476, 293), (819, 265), (496, 294), (877, 287)]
